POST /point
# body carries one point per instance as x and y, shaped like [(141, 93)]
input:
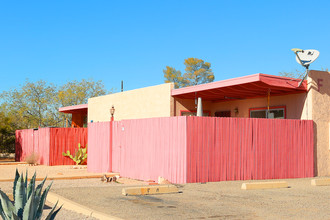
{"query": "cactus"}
[(80, 156), (29, 200)]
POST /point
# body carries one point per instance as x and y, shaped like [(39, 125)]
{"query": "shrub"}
[(32, 158), (29, 201)]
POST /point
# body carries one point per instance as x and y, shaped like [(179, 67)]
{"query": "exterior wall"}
[(149, 102), (319, 109), (189, 105), (294, 105)]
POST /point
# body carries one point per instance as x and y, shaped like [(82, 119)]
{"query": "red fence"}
[(202, 149), (221, 149), (49, 143)]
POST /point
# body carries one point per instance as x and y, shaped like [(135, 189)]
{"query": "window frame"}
[(265, 108), (195, 111)]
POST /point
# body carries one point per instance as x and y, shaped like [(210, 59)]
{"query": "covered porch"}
[(253, 96), (79, 115)]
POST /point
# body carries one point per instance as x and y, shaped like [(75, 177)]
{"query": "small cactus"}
[(80, 156), (29, 201)]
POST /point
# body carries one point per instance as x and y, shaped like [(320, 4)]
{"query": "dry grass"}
[(32, 158)]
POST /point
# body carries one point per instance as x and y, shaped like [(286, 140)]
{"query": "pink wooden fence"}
[(49, 143), (148, 148), (29, 140), (98, 158), (141, 149)]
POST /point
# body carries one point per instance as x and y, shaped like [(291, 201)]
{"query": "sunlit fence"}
[(203, 149)]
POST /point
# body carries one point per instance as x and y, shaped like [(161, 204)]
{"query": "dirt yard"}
[(7, 171)]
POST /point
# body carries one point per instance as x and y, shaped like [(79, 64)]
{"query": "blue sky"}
[(60, 41)]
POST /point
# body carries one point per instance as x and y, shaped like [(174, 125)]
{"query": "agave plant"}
[(29, 201), (80, 156)]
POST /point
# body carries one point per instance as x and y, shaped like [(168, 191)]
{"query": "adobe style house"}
[(253, 96)]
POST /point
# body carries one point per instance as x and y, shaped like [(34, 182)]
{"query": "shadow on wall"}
[(18, 146), (315, 149), (319, 81)]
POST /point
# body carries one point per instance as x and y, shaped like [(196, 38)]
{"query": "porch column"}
[(199, 107)]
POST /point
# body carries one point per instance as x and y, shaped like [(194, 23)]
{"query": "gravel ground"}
[(8, 171), (75, 186), (220, 200)]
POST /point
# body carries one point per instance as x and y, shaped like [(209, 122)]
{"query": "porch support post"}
[(199, 107)]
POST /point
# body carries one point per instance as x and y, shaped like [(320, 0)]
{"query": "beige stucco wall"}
[(294, 105), (148, 102), (319, 109)]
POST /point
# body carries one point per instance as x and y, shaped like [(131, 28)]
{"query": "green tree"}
[(36, 104), (7, 134), (197, 72), (78, 92), (30, 105), (175, 76)]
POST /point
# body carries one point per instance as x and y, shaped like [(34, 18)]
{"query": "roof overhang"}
[(75, 109), (252, 86)]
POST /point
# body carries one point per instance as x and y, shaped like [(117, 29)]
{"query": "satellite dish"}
[(307, 56)]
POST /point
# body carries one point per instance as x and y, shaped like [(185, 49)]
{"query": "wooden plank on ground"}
[(147, 190), (321, 182), (265, 185)]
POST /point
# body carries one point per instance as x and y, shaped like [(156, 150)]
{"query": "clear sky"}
[(60, 41)]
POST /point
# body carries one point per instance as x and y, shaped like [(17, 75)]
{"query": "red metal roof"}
[(78, 109), (251, 86)]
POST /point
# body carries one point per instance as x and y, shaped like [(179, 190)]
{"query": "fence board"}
[(99, 159), (40, 146), (62, 140), (24, 144), (148, 148)]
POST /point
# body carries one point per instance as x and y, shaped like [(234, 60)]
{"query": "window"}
[(222, 114), (193, 113), (274, 112)]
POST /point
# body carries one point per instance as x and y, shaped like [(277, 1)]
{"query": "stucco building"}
[(254, 96)]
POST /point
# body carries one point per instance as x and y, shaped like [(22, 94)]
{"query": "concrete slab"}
[(320, 182), (70, 205), (265, 185), (148, 190)]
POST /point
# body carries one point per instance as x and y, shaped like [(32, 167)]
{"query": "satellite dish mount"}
[(304, 58)]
